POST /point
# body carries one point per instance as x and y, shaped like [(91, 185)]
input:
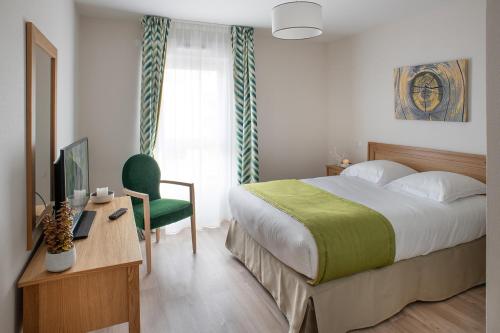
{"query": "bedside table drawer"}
[(334, 170)]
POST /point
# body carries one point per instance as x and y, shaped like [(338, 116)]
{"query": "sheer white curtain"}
[(196, 140)]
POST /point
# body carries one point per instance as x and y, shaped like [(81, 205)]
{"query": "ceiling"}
[(341, 17)]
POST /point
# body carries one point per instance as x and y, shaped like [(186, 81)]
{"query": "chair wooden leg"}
[(193, 232), (147, 236), (193, 217), (147, 232), (158, 235), (147, 222)]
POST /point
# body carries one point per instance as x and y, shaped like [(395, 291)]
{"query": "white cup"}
[(102, 191)]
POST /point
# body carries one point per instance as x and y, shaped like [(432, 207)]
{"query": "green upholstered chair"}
[(141, 180)]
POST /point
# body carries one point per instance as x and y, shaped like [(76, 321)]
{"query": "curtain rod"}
[(199, 22), (209, 23)]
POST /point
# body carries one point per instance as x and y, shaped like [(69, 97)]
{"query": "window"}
[(195, 140)]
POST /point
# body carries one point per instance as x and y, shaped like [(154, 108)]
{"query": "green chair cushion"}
[(163, 212)]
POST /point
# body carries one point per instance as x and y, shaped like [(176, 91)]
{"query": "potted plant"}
[(61, 252)]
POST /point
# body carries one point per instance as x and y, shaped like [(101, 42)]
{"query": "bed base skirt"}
[(364, 299)]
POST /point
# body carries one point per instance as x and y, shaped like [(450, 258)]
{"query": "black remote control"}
[(117, 214)]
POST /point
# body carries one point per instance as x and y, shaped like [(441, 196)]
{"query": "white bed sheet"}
[(421, 226)]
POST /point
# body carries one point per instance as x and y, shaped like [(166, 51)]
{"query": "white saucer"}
[(102, 199)]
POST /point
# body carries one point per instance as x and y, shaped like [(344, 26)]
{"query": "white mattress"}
[(421, 226)]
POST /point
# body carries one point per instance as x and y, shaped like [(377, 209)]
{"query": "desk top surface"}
[(110, 244)]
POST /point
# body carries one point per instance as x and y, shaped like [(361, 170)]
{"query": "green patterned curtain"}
[(154, 47), (245, 104)]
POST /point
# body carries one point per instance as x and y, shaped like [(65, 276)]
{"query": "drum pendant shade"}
[(297, 20)]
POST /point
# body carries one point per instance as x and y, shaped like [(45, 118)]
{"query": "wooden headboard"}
[(424, 159)]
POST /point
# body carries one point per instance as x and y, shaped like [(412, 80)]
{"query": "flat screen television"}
[(71, 183)]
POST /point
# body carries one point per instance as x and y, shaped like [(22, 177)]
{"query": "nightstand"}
[(334, 169)]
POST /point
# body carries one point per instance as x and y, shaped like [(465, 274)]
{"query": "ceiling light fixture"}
[(297, 20)]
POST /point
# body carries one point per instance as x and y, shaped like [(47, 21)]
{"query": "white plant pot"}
[(60, 261)]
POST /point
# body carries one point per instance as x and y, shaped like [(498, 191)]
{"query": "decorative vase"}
[(59, 262)]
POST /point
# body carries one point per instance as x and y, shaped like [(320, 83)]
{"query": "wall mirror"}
[(41, 97)]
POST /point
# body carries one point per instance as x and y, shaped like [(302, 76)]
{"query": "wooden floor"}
[(213, 292)]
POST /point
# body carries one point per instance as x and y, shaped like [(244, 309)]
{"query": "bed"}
[(440, 249)]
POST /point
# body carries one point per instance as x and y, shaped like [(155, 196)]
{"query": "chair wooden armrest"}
[(138, 195), (174, 182), (147, 221), (190, 185)]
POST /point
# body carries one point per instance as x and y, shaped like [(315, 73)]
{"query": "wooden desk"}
[(100, 290)]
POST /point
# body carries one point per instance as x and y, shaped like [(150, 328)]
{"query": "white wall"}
[(291, 106), (361, 93), (57, 20), (109, 86), (493, 167)]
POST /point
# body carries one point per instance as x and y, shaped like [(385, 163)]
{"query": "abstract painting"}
[(432, 92)]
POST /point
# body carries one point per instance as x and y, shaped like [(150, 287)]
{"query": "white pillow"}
[(379, 172), (438, 185)]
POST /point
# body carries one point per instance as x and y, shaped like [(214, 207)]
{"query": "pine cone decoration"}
[(57, 232)]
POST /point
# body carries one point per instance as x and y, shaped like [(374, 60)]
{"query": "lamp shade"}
[(297, 20)]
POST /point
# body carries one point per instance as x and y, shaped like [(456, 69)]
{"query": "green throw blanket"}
[(350, 237)]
